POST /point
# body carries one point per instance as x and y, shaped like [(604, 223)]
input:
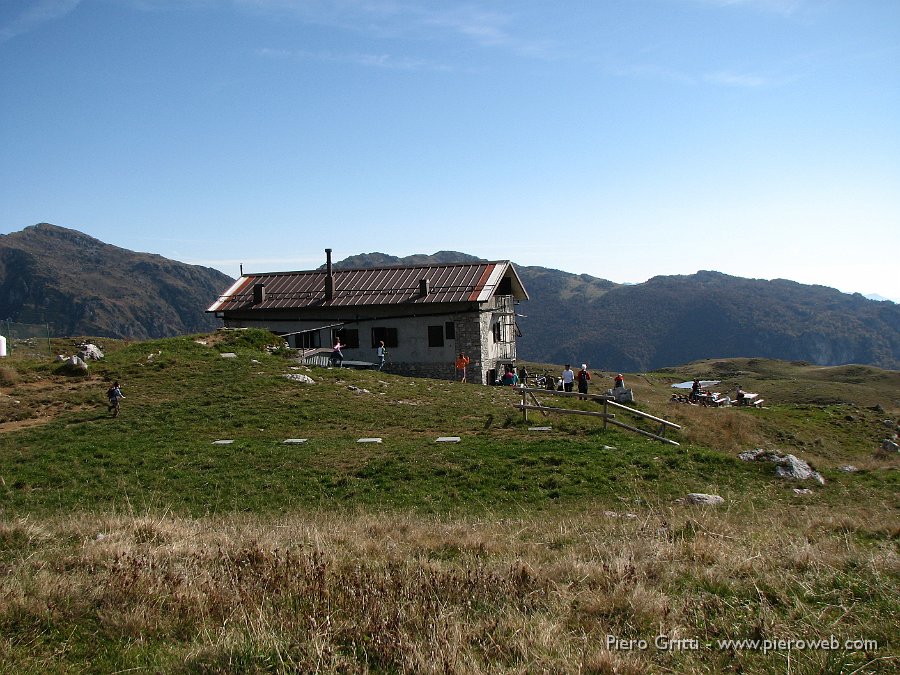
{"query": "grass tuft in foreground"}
[(396, 592)]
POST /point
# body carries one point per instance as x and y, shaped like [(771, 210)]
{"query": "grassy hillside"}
[(137, 543)]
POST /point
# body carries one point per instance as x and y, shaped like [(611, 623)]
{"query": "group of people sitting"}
[(697, 396), (510, 377), (711, 398)]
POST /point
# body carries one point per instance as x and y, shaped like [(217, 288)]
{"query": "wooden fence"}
[(529, 394)]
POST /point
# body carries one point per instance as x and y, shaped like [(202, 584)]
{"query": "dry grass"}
[(8, 376), (726, 429), (399, 592)]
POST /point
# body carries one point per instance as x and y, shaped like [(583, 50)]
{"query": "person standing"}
[(337, 356), (583, 378), (568, 377), (461, 362), (619, 382), (115, 396), (381, 352)]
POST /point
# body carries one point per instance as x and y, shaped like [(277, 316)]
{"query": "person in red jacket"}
[(461, 362)]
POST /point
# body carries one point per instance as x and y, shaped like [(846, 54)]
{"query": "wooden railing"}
[(529, 393)]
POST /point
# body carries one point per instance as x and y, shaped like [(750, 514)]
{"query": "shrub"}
[(8, 376), (249, 338)]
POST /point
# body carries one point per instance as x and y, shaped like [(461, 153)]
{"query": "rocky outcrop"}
[(786, 466)]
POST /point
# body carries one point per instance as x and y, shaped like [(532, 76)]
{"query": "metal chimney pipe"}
[(329, 277)]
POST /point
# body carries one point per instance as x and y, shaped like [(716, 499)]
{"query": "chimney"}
[(329, 277), (259, 294), (424, 288)]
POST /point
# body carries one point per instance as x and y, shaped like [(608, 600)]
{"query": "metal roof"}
[(462, 282)]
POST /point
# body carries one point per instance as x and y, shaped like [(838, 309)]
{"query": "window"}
[(435, 336), (450, 330), (496, 328), (389, 335), (308, 340), (349, 337)]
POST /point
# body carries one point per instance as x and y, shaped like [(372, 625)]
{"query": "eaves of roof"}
[(456, 283)]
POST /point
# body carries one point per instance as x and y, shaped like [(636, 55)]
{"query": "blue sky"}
[(623, 139)]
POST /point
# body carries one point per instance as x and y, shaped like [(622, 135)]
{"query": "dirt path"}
[(31, 404)]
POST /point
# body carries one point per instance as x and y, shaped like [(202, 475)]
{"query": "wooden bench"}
[(749, 399)]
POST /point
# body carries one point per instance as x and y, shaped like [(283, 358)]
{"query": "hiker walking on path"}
[(461, 362), (381, 352), (568, 377), (115, 395), (583, 378)]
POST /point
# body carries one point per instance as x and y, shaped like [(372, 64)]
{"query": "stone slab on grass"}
[(224, 441), (369, 440), (294, 441), (540, 428), (448, 439), (704, 499)]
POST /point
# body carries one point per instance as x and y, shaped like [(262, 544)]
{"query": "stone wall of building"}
[(469, 341)]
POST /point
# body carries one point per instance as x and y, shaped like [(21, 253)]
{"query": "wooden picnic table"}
[(750, 400)]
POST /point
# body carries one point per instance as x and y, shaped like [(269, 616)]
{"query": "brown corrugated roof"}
[(463, 282)]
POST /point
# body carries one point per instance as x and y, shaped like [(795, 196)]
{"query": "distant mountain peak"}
[(376, 259), (83, 286)]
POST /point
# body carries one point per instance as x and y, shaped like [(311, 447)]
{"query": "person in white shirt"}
[(568, 377)]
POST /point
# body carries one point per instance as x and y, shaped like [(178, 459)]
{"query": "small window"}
[(349, 337), (450, 330), (309, 340), (496, 328), (435, 336), (389, 335)]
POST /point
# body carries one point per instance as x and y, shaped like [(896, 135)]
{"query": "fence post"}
[(605, 411), (524, 409)]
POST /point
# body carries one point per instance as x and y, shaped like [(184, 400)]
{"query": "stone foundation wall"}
[(435, 371)]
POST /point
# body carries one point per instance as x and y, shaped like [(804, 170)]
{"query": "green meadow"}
[(139, 544)]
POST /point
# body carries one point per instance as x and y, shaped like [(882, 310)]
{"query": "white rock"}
[(299, 377), (701, 498), (786, 466), (90, 352)]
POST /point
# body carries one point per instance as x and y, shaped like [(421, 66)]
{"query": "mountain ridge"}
[(82, 286), (676, 319)]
